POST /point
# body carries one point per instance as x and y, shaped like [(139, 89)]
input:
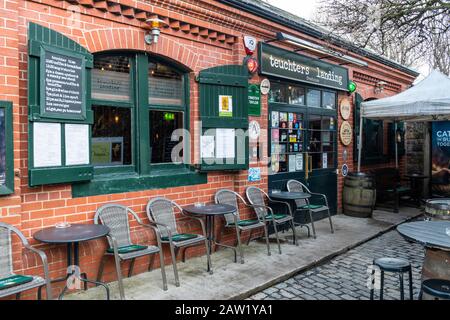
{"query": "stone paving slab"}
[(238, 281)]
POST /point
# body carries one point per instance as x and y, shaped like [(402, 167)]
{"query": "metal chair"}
[(161, 213), (256, 198), (305, 205), (7, 274), (225, 196), (115, 216)]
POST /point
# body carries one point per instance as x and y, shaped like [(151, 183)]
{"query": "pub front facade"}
[(95, 110)]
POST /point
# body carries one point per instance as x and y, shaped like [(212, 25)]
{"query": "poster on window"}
[(440, 157), (107, 151), (225, 106), (2, 147)]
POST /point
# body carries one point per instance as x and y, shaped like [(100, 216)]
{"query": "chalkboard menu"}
[(62, 88)]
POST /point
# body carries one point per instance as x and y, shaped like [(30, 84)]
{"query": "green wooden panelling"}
[(167, 178), (231, 80), (39, 40), (8, 186)]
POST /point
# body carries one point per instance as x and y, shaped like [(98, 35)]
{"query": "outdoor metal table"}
[(210, 211), (72, 236), (433, 235), (416, 178)]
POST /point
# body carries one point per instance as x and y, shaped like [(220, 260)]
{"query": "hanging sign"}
[(225, 106), (344, 170), (265, 86), (286, 64), (345, 108), (346, 133), (62, 85), (254, 100)]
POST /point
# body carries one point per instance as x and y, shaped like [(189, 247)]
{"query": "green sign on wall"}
[(254, 100), (286, 64)]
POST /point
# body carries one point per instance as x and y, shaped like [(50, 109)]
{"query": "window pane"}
[(278, 93), (162, 125), (296, 95), (111, 136), (111, 78), (313, 98), (164, 85), (328, 100)]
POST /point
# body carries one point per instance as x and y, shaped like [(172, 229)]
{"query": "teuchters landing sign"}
[(290, 65)]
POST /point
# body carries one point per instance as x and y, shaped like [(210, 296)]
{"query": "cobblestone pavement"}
[(345, 277)]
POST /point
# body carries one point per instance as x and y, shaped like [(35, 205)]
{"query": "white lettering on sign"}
[(301, 69)]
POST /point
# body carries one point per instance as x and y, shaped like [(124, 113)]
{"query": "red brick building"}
[(199, 35)]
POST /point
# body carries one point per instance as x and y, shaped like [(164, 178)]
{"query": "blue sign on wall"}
[(254, 174), (440, 157)]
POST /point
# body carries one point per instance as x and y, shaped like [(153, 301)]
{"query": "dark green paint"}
[(254, 100), (8, 187)]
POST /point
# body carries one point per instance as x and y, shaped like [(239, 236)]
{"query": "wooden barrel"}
[(359, 195), (436, 265)]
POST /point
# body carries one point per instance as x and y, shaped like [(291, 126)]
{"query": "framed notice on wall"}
[(6, 149)]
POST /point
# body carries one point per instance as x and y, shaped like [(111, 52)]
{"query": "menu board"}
[(46, 144), (77, 144), (2, 147), (62, 91)]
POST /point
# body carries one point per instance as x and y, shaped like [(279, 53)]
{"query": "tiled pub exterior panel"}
[(200, 34)]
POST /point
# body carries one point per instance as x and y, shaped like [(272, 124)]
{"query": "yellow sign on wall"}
[(225, 106)]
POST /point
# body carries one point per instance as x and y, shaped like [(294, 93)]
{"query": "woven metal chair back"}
[(225, 196), (5, 252), (161, 210), (297, 186), (256, 197), (115, 217)]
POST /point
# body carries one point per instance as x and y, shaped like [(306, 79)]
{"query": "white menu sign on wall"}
[(46, 144), (225, 143), (77, 144)]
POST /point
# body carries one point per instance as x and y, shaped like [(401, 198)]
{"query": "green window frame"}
[(8, 186), (141, 174)]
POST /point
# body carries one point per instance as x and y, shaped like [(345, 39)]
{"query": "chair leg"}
[(208, 256), (372, 289), (241, 252), (174, 263), (119, 277), (402, 293), (130, 271), (381, 285), (100, 269), (250, 236), (420, 293), (266, 232), (331, 222), (276, 236), (163, 270), (150, 262), (294, 233), (397, 200), (183, 254), (410, 285), (312, 224)]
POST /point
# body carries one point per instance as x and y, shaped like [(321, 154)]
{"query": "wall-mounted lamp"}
[(153, 35), (379, 86)]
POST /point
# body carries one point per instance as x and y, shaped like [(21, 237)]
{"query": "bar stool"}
[(396, 265), (438, 288)]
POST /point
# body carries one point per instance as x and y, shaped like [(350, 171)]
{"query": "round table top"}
[(210, 209), (286, 195), (74, 233), (431, 234)]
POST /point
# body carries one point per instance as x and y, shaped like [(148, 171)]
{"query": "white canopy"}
[(426, 101), (429, 100)]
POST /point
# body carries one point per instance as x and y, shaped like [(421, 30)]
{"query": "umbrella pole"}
[(360, 142), (396, 144)]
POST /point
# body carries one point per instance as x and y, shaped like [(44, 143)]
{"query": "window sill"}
[(123, 182)]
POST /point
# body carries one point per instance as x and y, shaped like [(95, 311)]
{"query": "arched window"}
[(138, 102)]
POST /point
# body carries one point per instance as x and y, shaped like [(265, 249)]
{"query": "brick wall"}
[(200, 35)]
